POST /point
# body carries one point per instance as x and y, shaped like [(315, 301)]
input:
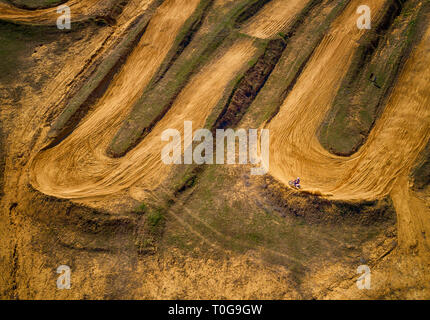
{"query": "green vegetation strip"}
[(370, 79), (159, 96), (151, 232), (35, 4), (2, 159)]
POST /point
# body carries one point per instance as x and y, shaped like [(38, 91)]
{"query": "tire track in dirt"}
[(80, 10), (393, 145), (275, 17)]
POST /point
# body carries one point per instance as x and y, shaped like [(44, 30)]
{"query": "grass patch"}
[(154, 219), (251, 221), (141, 209), (151, 232), (17, 43), (35, 4)]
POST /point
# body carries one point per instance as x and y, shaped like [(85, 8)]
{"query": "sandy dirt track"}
[(80, 10), (276, 16), (393, 145), (369, 173), (90, 173), (78, 167)]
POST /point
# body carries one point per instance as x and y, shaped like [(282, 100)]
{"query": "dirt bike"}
[(293, 184)]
